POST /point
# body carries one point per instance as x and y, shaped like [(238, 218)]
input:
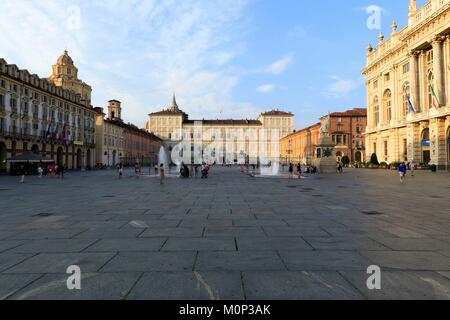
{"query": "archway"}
[(79, 159), (35, 149), (88, 159), (425, 143), (358, 156), (2, 157), (60, 156), (339, 156)]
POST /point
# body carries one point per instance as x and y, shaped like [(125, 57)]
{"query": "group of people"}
[(299, 172)]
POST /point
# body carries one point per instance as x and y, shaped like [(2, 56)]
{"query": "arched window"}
[(406, 95), (387, 102), (376, 111), (430, 94)]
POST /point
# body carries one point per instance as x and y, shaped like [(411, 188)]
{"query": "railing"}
[(428, 9)]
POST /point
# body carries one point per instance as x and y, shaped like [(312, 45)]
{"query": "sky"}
[(222, 58)]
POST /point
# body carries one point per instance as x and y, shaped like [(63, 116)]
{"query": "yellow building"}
[(408, 89), (226, 140), (109, 135), (42, 116)]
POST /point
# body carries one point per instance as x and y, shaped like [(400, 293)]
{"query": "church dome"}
[(65, 59)]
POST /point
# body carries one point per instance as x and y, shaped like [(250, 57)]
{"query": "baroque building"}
[(117, 141), (46, 116), (408, 89), (346, 131), (222, 140)]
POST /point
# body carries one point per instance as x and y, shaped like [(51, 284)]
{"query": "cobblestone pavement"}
[(228, 237)]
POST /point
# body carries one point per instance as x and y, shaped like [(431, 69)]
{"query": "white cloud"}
[(279, 66), (138, 52), (265, 88), (341, 87)]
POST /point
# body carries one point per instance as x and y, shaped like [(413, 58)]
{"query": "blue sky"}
[(222, 58)]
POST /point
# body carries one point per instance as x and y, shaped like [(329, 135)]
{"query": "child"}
[(402, 171), (161, 173)]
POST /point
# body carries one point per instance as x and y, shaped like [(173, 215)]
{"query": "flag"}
[(409, 103), (56, 133), (434, 99), (48, 134)]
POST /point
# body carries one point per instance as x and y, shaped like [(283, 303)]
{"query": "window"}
[(338, 139), (339, 127), (375, 84), (406, 96), (386, 148), (430, 57), (2, 83), (375, 147), (376, 111), (406, 68), (358, 129), (405, 148), (388, 105), (387, 77)]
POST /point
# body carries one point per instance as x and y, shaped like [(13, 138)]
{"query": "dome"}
[(65, 59)]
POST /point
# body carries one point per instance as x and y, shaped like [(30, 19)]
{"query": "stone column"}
[(413, 142), (414, 79), (438, 70), (438, 142)]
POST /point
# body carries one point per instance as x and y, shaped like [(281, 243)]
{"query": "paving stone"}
[(138, 244), (344, 243), (238, 261), (151, 261), (283, 285), (271, 243), (8, 259), (172, 232), (189, 286), (11, 283), (98, 286), (8, 244), (59, 262), (403, 285), (53, 246), (324, 260), (409, 260), (200, 244)]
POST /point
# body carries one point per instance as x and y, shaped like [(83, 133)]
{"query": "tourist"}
[(137, 170), (40, 171), (161, 173), (23, 171), (60, 171), (291, 170), (402, 171), (299, 169), (120, 168), (412, 167)]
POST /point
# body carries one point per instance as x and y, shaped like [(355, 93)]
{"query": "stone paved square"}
[(231, 236)]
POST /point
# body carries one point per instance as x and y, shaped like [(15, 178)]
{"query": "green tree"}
[(345, 160), (374, 159)]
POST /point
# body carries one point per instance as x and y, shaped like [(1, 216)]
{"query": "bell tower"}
[(114, 110)]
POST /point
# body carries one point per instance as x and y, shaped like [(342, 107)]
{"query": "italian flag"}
[(434, 99)]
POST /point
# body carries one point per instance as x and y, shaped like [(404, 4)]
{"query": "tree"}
[(345, 160), (374, 159)]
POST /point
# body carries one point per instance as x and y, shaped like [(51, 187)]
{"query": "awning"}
[(29, 157)]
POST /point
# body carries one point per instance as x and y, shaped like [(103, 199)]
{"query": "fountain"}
[(269, 169), (162, 158)]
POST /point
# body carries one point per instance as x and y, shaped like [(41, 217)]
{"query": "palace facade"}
[(346, 130), (223, 140), (117, 141), (50, 116), (408, 89)]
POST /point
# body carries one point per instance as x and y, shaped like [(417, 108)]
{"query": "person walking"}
[(402, 171), (23, 172), (161, 173), (412, 167), (137, 170), (291, 170), (40, 171), (299, 169), (120, 169)]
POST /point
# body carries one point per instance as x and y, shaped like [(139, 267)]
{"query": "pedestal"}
[(326, 155)]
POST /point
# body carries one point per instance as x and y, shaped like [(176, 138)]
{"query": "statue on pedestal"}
[(326, 154)]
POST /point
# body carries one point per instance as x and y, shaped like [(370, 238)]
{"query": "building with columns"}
[(46, 116), (225, 140), (408, 89)]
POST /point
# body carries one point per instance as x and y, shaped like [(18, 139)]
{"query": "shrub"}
[(345, 160), (374, 159), (383, 164), (395, 164)]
